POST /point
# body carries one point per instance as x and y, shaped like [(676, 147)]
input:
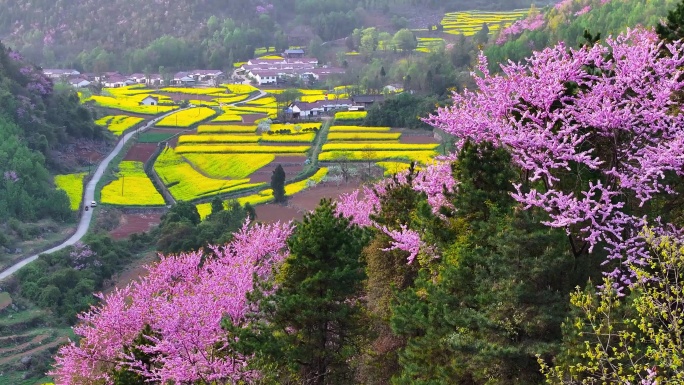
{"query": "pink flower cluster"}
[(82, 256), (184, 299), (531, 23), (584, 10), (434, 180), (11, 176), (617, 122)]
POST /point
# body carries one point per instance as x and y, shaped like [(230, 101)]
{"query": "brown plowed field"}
[(141, 152), (303, 202), (291, 164), (135, 223)]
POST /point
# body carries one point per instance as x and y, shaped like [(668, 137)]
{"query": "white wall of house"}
[(148, 102), (265, 79)]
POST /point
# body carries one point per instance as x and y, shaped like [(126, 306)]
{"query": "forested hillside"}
[(36, 120), (569, 20), (101, 35)]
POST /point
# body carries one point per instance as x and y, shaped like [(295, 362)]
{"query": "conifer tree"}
[(278, 184), (216, 205), (500, 293), (307, 326)]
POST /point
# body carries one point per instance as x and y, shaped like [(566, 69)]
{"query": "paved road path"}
[(89, 196)]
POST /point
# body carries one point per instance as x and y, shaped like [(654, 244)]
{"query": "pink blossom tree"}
[(183, 300), (593, 130), (435, 181)]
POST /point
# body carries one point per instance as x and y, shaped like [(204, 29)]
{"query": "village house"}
[(205, 75), (183, 78), (306, 110), (79, 83), (138, 78), (115, 81), (53, 73), (150, 101), (293, 53), (266, 76), (366, 100)]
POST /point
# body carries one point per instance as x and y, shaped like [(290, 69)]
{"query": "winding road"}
[(89, 195)]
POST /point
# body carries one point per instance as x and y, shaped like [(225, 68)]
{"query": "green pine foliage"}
[(497, 296), (278, 184), (181, 230), (309, 328)]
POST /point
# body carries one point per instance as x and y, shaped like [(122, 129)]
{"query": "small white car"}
[(93, 204)]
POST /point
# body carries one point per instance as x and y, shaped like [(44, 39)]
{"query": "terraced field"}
[(468, 23), (221, 148), (23, 334)]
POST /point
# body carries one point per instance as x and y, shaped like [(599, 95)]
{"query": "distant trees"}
[(405, 40)]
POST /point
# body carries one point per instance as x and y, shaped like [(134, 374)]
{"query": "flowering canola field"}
[(186, 183), (231, 166), (132, 187), (187, 118), (266, 196), (72, 184), (118, 124), (469, 23)]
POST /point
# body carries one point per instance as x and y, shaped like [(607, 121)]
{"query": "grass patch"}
[(155, 137)]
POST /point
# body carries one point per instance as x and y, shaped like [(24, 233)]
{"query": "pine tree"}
[(498, 295), (278, 184), (308, 324), (216, 205), (673, 29)]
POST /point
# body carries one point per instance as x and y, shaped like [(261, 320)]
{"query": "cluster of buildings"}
[(116, 79), (293, 65), (310, 109)]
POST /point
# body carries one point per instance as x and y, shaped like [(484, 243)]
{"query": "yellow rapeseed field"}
[(132, 187), (294, 188), (241, 88), (117, 124), (423, 157), (214, 139), (231, 166), (265, 196), (72, 184), (231, 98), (392, 168), (226, 129), (193, 91), (378, 147), (293, 127), (199, 102), (470, 22), (306, 137), (128, 105), (379, 136), (185, 183), (187, 118), (241, 149), (228, 118), (350, 115), (358, 129)]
